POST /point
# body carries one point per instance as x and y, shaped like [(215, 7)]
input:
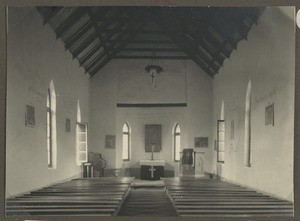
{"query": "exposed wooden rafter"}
[(96, 35), (151, 56), (49, 13), (117, 48), (187, 44)]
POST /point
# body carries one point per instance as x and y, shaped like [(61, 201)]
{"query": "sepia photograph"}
[(150, 111)]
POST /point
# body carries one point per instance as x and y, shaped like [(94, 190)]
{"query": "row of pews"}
[(98, 196), (105, 196), (208, 197)]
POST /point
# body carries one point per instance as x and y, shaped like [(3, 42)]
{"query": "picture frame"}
[(29, 116), (215, 145), (269, 115), (68, 125), (110, 141), (201, 141)]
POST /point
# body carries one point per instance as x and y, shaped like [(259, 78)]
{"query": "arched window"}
[(248, 149), (126, 142), (177, 143), (51, 127)]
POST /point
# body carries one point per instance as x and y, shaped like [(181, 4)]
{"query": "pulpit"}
[(192, 163), (187, 162), (152, 169), (199, 163)]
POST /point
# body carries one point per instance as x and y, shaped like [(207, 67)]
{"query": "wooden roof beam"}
[(95, 25), (103, 45), (88, 41), (209, 19), (69, 21), (151, 32), (78, 35), (145, 41), (103, 41), (205, 40), (168, 57), (153, 49), (215, 53), (188, 45), (116, 49), (85, 44), (48, 13)]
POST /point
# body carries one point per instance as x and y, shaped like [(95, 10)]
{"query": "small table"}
[(88, 171), (152, 169)]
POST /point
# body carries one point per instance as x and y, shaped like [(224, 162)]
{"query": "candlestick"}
[(152, 158)]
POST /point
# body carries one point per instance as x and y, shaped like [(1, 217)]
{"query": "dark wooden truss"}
[(96, 35)]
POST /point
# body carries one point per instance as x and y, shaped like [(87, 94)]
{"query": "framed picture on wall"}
[(201, 141), (68, 125), (29, 116), (110, 141), (215, 145), (153, 137), (269, 115)]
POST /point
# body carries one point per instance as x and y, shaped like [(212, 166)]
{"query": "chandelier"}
[(153, 68)]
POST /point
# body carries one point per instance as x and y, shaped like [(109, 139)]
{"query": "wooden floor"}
[(108, 196), (208, 197), (98, 196), (147, 201)]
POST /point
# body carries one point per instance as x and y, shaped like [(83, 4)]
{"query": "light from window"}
[(221, 141), (81, 143), (49, 146), (51, 127), (248, 149), (126, 142), (177, 143)]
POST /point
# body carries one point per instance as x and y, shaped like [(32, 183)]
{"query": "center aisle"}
[(147, 201)]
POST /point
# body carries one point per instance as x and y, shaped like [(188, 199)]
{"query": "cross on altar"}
[(152, 171)]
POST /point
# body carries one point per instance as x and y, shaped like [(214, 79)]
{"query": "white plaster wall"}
[(106, 118), (134, 83), (34, 58), (103, 93), (268, 59)]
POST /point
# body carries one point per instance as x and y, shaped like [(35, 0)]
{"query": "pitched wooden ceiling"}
[(96, 35)]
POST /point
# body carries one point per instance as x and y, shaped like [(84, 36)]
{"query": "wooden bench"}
[(214, 198), (98, 196)]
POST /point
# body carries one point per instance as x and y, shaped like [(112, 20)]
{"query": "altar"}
[(152, 169)]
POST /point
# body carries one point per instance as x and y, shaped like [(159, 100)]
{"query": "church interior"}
[(167, 111)]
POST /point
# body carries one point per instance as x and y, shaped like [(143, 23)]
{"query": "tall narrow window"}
[(126, 142), (248, 149), (177, 143), (81, 138), (51, 127), (221, 136), (221, 141), (81, 143)]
